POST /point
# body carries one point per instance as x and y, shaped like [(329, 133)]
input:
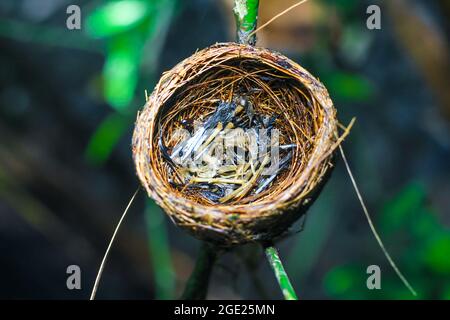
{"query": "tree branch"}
[(197, 285)]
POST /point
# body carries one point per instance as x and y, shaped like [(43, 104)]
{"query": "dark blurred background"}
[(69, 98)]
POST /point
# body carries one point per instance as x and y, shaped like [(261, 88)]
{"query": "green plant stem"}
[(197, 284), (281, 275), (246, 15)]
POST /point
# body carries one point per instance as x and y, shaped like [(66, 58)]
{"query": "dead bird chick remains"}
[(233, 153)]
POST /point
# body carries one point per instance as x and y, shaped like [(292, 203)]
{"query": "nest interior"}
[(275, 86)]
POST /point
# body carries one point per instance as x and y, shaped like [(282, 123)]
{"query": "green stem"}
[(197, 285), (281, 275), (246, 14)]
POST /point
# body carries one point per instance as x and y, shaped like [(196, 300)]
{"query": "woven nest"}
[(275, 85)]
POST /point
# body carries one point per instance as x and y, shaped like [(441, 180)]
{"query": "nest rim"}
[(258, 221)]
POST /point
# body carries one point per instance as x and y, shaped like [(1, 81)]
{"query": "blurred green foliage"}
[(120, 72), (127, 27), (407, 219), (347, 86), (117, 17), (106, 137), (344, 6)]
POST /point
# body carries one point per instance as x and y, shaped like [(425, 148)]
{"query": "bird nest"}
[(232, 92)]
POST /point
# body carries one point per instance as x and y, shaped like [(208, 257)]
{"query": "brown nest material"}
[(275, 85)]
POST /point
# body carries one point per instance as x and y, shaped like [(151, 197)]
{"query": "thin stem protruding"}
[(246, 15), (105, 257)]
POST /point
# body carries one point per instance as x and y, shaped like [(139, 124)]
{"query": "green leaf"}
[(347, 86), (106, 137), (426, 223), (129, 25), (345, 282), (437, 253), (408, 204), (338, 281), (120, 77), (116, 17), (121, 70)]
